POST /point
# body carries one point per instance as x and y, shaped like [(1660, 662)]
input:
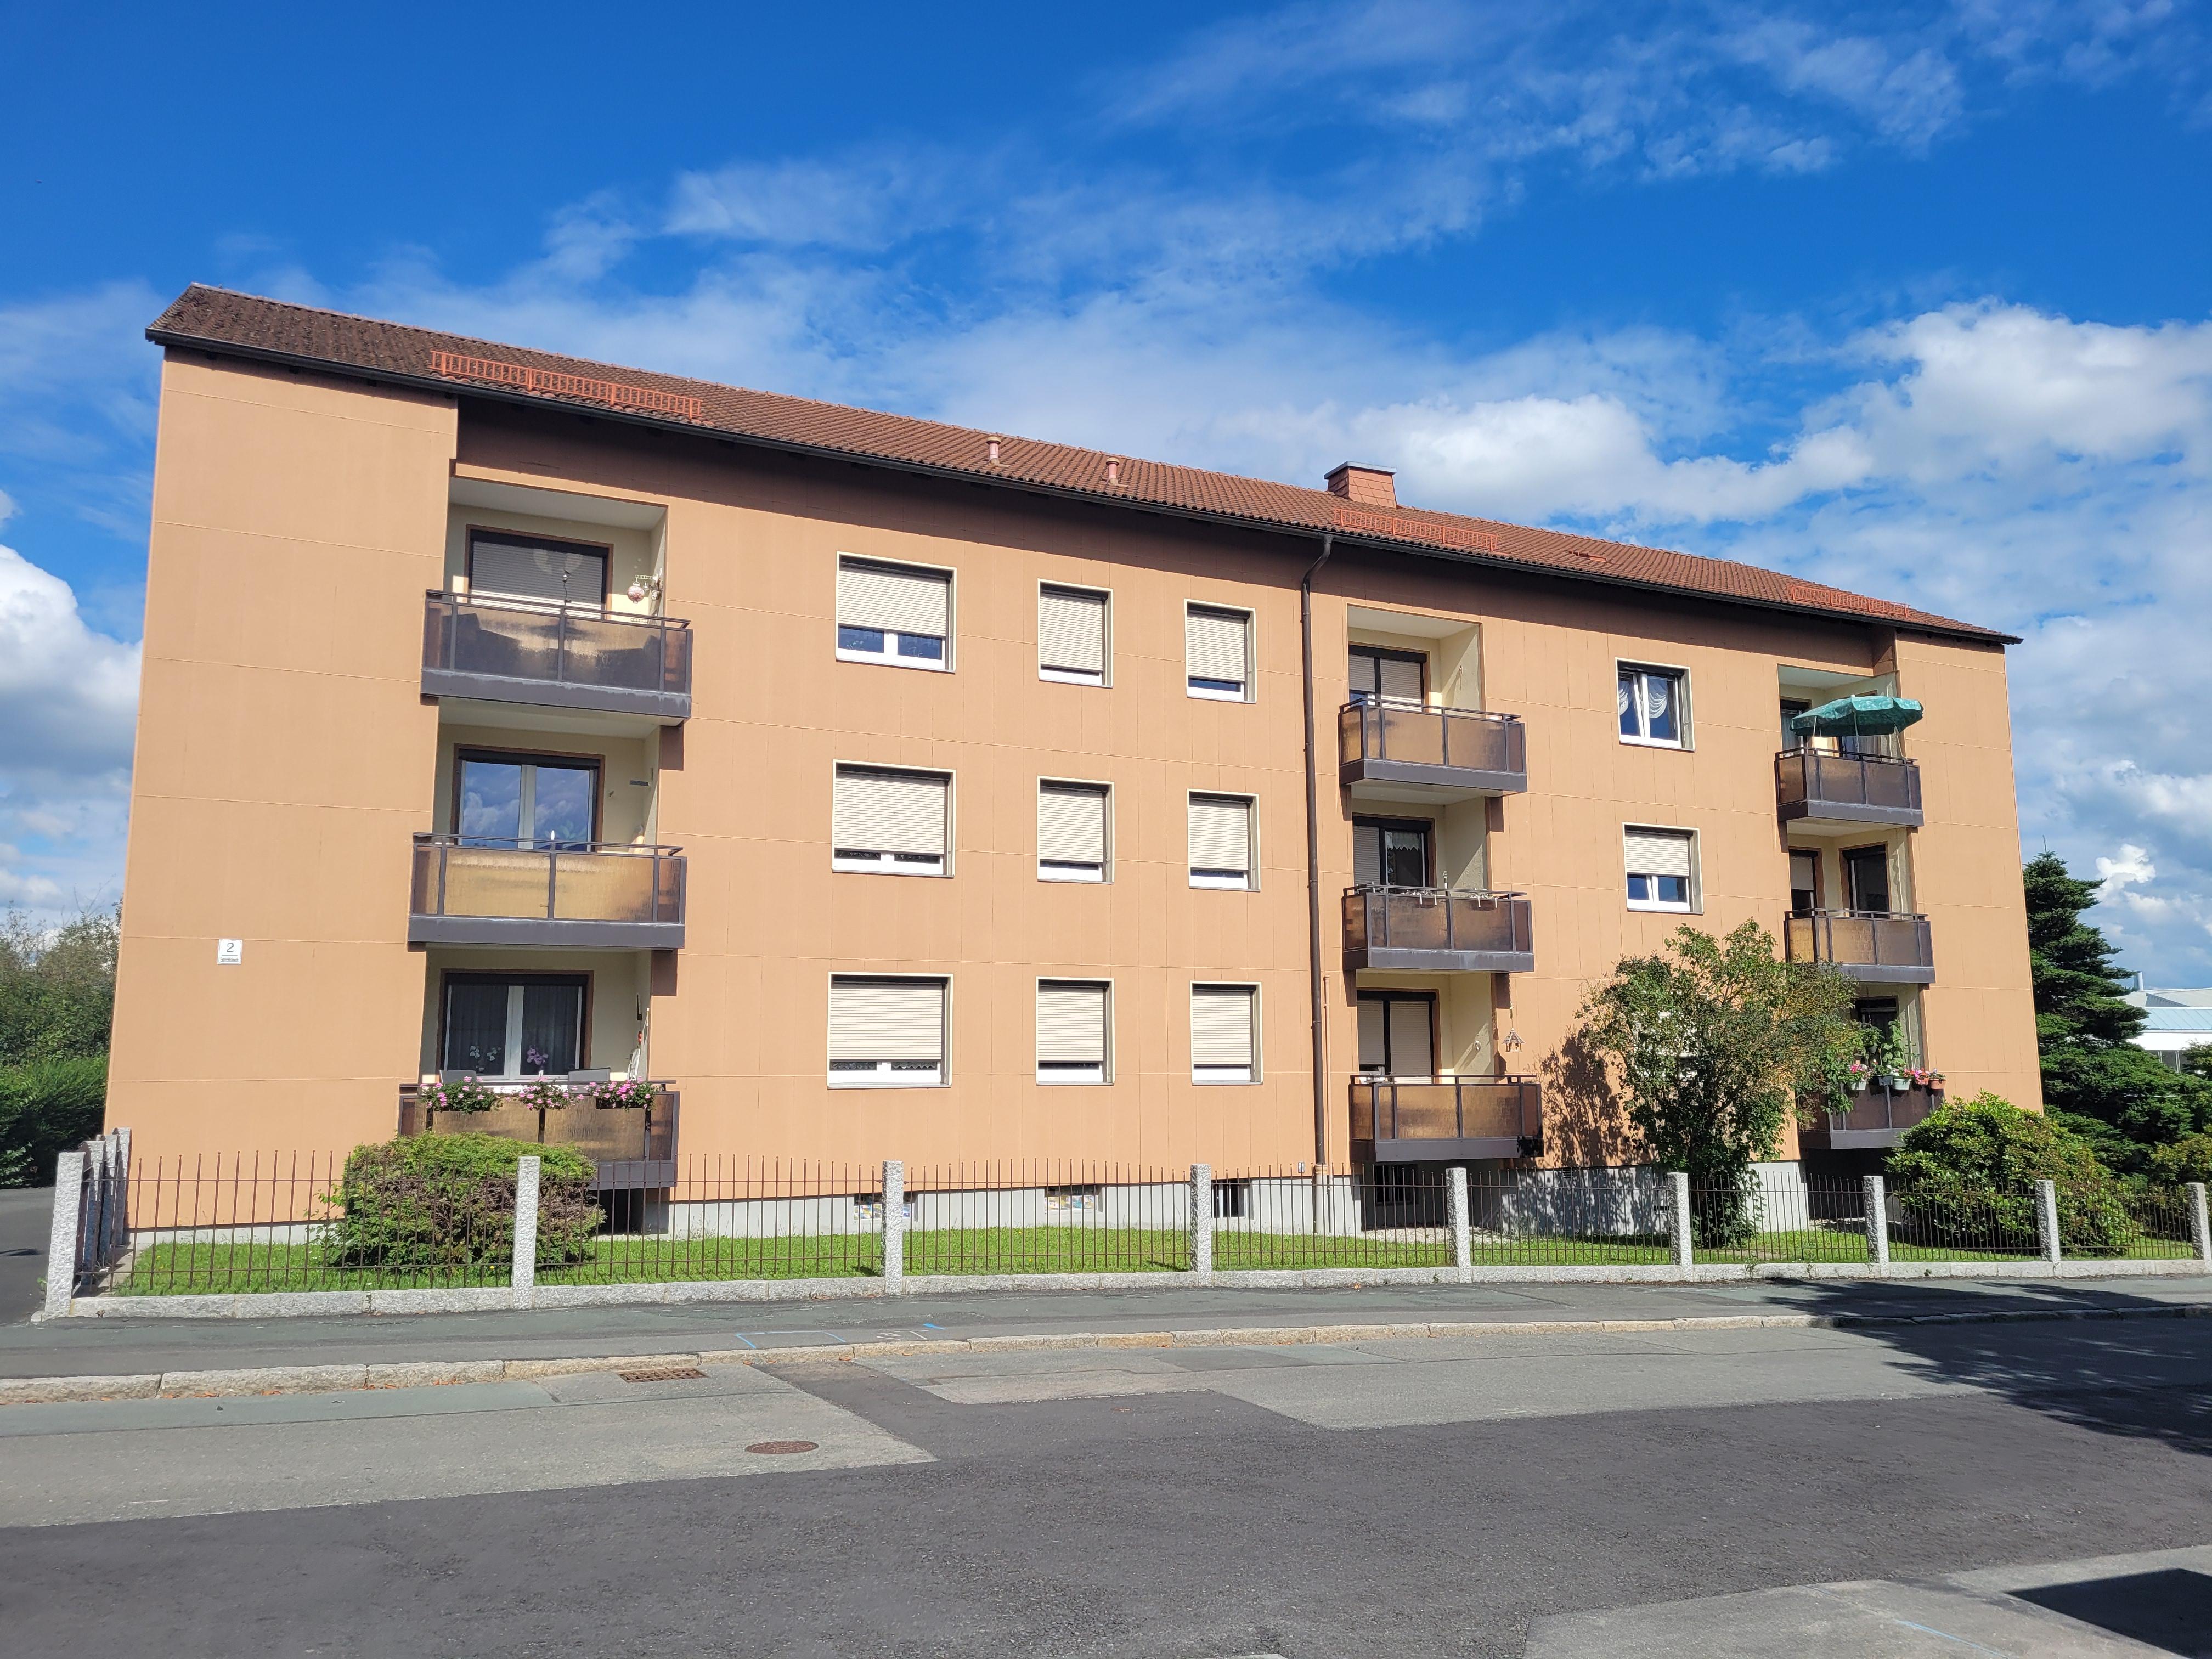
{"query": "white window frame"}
[(1245, 691), (1104, 677), (1249, 882), (892, 864), (1069, 1076), (1082, 874), (1226, 1076), (1691, 905), (887, 656), (1680, 676), (882, 1075)]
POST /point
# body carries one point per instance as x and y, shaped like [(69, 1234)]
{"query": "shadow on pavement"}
[(2147, 1375), (2170, 1610)]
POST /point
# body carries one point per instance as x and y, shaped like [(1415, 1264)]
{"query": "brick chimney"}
[(1366, 486)]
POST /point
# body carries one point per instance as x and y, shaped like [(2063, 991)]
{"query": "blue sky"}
[(1914, 299)]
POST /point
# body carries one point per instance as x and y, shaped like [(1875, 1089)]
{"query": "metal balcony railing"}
[(1437, 928), (466, 890), (632, 1146), (1384, 741), (1877, 1118), (1847, 788), (1884, 946), (1399, 1120), (514, 651)]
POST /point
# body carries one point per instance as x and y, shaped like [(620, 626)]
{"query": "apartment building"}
[(882, 788)]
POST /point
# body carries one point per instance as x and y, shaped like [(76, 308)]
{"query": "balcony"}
[(1412, 1120), (591, 896), (556, 656), (1812, 788), (1878, 1118), (1878, 947), (1458, 752), (1439, 929), (627, 1148)]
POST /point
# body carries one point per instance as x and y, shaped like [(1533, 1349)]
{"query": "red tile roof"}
[(218, 320)]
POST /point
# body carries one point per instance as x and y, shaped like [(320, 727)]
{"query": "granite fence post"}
[(524, 1279), (1877, 1220), (1455, 1210), (60, 1248), (1202, 1220), (2200, 1223), (2046, 1219), (1678, 1217), (894, 1226)]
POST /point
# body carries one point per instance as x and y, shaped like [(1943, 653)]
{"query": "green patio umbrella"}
[(1858, 717)]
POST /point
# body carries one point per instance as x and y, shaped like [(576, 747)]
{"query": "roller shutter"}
[(1071, 630), (1071, 1024), (1221, 1025), (896, 597), (501, 568), (1658, 853), (1215, 643), (1220, 832), (887, 1020), (1072, 824), (876, 812)]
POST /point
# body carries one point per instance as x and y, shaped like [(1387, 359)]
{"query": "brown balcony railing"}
[(586, 894), (1877, 1118), (1406, 743), (1875, 946), (1847, 788), (512, 651), (629, 1147), (1395, 1119), (1437, 928)]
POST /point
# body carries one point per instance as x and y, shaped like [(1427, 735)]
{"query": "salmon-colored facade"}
[(289, 756)]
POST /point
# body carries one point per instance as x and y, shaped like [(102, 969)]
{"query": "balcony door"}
[(510, 1025), (1379, 675), (1866, 877), (1804, 882), (503, 800), (1390, 851), (1398, 1033)]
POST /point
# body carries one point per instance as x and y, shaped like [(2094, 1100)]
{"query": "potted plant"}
[(1887, 1058), (1928, 1078), (463, 1094), (544, 1094), (630, 1095)]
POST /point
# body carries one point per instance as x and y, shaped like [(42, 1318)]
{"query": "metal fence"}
[(1945, 1224), (723, 1218), (2161, 1222), (1774, 1215)]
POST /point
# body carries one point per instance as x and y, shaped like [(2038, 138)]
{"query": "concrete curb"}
[(284, 1304), (431, 1373)]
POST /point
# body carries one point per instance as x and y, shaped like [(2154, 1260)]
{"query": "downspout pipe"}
[(1313, 859)]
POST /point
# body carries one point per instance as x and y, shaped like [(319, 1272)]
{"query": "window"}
[(1072, 1200), (1221, 841), (893, 613), (1218, 653), (1397, 1033), (1389, 853), (1232, 1198), (1224, 1029), (506, 564), (886, 1033), (1072, 635), (884, 821), (1804, 882), (1394, 675), (1866, 879), (513, 1025), (1072, 822), (1662, 865), (503, 800), (1073, 1025), (1654, 706)]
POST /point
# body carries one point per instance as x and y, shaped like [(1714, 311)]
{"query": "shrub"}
[(440, 1201), (2187, 1159), (46, 1107), (1982, 1157)]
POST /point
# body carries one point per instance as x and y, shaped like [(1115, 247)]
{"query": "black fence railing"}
[(1870, 945), (1407, 740), (599, 655), (1446, 928), (1867, 788)]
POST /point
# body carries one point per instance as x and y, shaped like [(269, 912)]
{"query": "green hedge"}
[(46, 1107), (1983, 1158), (440, 1200)]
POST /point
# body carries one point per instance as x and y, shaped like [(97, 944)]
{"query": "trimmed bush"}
[(440, 1201), (1983, 1158), (46, 1107)]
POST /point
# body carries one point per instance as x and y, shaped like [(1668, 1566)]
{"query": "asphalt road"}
[(1389, 1497), (26, 1216)]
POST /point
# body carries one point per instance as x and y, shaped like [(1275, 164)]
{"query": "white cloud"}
[(68, 695)]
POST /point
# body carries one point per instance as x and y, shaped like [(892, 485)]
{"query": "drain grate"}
[(781, 1448), (662, 1374)]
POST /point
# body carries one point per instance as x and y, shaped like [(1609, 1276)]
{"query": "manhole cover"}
[(780, 1448), (662, 1374)]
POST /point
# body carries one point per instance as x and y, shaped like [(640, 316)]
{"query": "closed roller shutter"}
[(1221, 1025), (519, 568), (1071, 1024), (1220, 832), (1658, 853), (1214, 643), (1071, 630), (887, 1020), (887, 812), (1071, 823), (893, 597), (1402, 680)]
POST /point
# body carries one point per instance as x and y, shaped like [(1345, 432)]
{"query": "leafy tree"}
[(2187, 1159), (2084, 1031), (1980, 1158), (1711, 1042), (57, 986)]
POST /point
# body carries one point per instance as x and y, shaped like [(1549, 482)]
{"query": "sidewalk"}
[(120, 1347)]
